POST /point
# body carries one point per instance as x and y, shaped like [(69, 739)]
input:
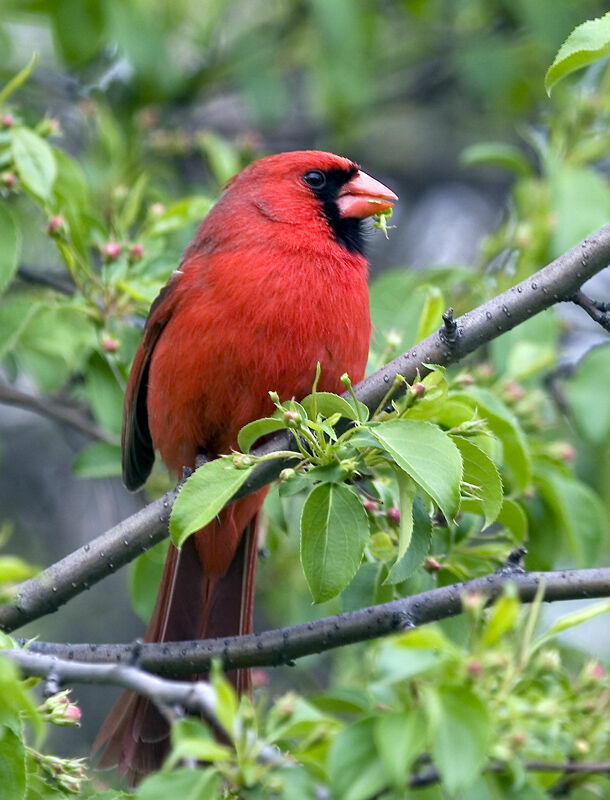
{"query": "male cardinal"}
[(274, 282)]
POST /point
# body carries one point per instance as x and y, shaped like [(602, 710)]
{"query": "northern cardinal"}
[(274, 282)]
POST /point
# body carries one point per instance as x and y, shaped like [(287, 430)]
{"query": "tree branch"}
[(47, 408), (198, 697), (284, 645), (557, 282), (598, 311)]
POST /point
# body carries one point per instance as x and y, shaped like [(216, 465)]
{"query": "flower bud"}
[(274, 397), (514, 391), (581, 747), (418, 389), (371, 506), (60, 711), (259, 678), (56, 226), (242, 461), (475, 668), (432, 564), (287, 474), (566, 452), (7, 121), (595, 671), (393, 515), (48, 127), (9, 179), (136, 251), (109, 344), (472, 601), (157, 209), (293, 418), (111, 251)]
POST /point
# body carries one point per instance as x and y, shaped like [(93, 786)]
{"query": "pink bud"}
[(596, 671), (370, 505), (486, 370), (419, 389), (393, 515), (56, 225), (259, 678), (110, 344), (514, 391), (7, 120), (9, 179), (475, 668), (292, 416), (566, 452), (157, 209), (432, 565), (73, 713), (136, 251), (111, 251)]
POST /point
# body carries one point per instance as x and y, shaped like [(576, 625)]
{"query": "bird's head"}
[(311, 188)]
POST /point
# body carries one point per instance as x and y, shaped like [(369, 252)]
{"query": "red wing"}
[(138, 453)]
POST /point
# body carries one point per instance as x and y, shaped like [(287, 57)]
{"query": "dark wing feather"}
[(138, 453)]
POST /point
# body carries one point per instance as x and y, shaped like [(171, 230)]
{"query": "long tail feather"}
[(190, 604)]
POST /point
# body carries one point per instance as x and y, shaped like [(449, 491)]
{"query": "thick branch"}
[(283, 645), (46, 408), (557, 282)]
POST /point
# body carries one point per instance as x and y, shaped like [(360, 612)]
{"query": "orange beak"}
[(363, 196)]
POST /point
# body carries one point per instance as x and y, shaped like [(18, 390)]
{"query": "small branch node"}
[(596, 309), (52, 684), (514, 562), (449, 331)]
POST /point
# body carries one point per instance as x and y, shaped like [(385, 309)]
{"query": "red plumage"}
[(273, 283)]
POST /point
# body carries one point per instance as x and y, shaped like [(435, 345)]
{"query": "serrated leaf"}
[(514, 519), (14, 318), (481, 472), (586, 44), (418, 547), (12, 765), (328, 404), (578, 511), (399, 738), (254, 430), (334, 532), (502, 422), (99, 460), (428, 455), (354, 768), (34, 162), (434, 400), (502, 617), (462, 738), (17, 80), (10, 246), (203, 495)]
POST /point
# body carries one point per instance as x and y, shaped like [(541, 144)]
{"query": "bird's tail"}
[(206, 591)]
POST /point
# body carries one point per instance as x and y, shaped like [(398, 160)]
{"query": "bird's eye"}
[(315, 179)]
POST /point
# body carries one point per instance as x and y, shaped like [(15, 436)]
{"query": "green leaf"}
[(133, 203), (14, 569), (191, 739), (418, 547), (254, 430), (203, 495), (461, 739), (334, 532), (178, 215), (144, 578), (502, 617), (573, 620), (430, 318), (14, 318), (226, 699), (184, 783), (223, 158), (12, 766), (587, 392), (580, 199), (354, 768), (399, 737), (586, 44), (433, 401), (480, 471), (10, 246), (99, 460), (428, 455), (514, 519), (496, 154), (104, 394), (578, 511), (16, 81), (502, 422), (328, 404), (34, 161)]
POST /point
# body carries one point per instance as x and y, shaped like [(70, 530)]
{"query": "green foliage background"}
[(160, 103)]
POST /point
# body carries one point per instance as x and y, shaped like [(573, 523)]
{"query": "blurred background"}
[(186, 92)]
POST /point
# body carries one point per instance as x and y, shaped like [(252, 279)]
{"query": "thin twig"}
[(284, 645), (64, 414), (598, 311), (198, 697), (557, 282)]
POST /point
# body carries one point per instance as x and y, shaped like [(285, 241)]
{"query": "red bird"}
[(274, 282)]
